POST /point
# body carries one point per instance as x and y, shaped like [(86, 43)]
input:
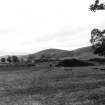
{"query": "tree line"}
[(29, 60), (10, 59)]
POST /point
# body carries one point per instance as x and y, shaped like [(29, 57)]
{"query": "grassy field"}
[(55, 86)]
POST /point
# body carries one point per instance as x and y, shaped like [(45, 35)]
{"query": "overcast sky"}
[(28, 26)]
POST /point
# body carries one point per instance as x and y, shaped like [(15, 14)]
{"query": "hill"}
[(84, 53), (81, 53), (49, 53)]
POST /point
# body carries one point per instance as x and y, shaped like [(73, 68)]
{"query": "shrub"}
[(74, 63)]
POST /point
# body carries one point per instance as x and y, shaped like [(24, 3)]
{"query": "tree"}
[(98, 41), (9, 59), (93, 7), (45, 57), (97, 6), (3, 60), (15, 59)]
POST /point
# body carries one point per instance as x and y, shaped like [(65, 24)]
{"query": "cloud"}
[(6, 31), (62, 35), (27, 26)]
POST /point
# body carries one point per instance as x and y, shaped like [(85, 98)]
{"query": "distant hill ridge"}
[(81, 53)]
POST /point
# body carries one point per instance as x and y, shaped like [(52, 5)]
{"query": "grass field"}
[(55, 86)]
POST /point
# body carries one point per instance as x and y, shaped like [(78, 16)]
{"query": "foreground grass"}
[(56, 86)]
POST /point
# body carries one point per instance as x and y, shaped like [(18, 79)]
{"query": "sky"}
[(28, 26)]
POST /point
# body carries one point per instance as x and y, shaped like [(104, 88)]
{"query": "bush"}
[(100, 60), (74, 63)]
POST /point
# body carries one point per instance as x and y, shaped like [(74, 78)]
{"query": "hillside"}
[(85, 53), (49, 53), (81, 53)]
